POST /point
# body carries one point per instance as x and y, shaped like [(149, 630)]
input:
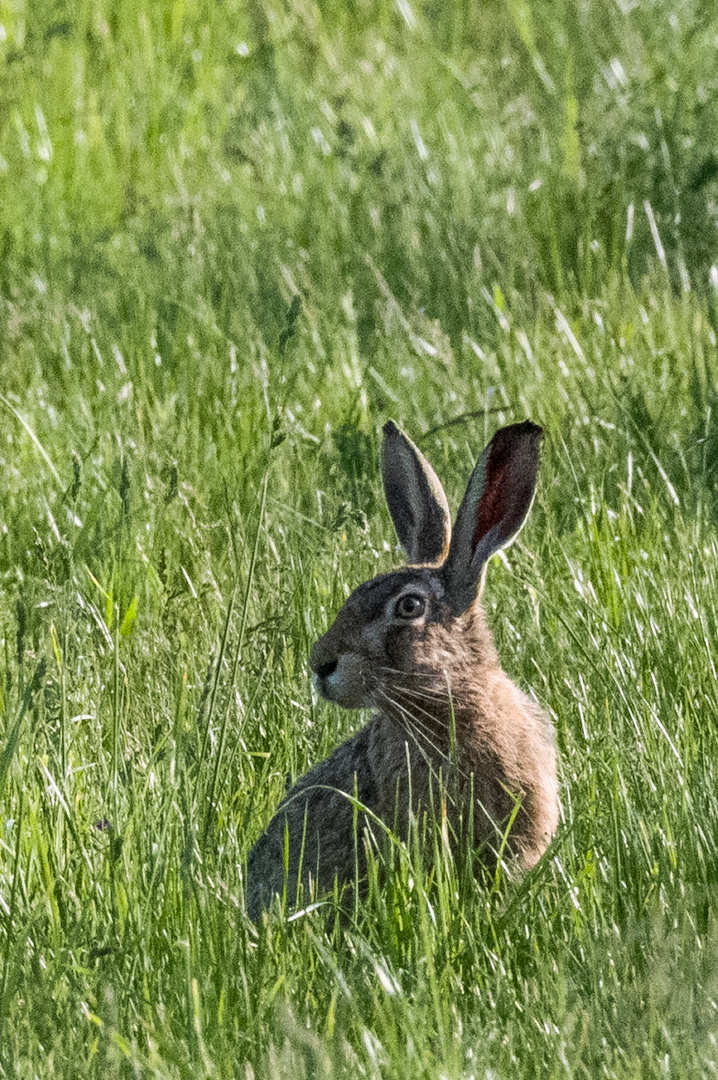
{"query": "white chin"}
[(334, 688)]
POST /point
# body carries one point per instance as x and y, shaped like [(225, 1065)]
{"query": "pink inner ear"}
[(492, 505), (509, 482)]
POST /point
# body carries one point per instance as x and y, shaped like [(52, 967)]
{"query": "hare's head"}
[(414, 621)]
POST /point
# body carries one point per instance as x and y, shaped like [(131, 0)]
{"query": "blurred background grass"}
[(234, 239)]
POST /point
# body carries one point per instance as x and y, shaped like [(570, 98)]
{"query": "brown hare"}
[(413, 644)]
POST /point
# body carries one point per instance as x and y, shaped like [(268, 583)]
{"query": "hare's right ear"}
[(416, 499), (497, 501)]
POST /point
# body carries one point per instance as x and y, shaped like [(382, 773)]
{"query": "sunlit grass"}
[(234, 240)]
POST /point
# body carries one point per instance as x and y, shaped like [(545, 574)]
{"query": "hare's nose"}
[(323, 670)]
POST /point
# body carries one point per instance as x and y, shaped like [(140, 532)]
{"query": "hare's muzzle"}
[(337, 671), (328, 668), (324, 665), (323, 661)]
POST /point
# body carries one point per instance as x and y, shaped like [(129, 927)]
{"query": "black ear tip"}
[(527, 428), (512, 447), (522, 437), (390, 428)]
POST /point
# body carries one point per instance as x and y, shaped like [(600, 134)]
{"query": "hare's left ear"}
[(496, 503), (416, 499)]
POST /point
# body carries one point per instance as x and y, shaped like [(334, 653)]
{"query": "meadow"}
[(236, 236)]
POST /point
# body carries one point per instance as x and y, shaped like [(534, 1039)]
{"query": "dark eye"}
[(410, 606)]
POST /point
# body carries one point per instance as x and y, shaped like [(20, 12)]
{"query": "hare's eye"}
[(410, 606)]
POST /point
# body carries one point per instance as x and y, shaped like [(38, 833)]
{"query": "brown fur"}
[(447, 715)]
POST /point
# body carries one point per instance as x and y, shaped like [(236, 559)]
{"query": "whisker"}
[(419, 695), (416, 719), (403, 719), (414, 674), (425, 730), (420, 692), (415, 695), (408, 726), (420, 729), (437, 720), (429, 693)]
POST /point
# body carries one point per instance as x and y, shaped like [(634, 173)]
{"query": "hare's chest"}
[(407, 775)]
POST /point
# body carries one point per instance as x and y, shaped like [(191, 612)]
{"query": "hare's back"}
[(318, 817)]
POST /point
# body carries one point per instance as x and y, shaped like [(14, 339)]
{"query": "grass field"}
[(235, 238)]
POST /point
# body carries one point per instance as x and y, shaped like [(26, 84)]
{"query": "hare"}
[(414, 645)]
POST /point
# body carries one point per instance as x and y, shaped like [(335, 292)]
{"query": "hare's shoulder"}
[(350, 768)]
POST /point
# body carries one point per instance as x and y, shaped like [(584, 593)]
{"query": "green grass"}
[(234, 239)]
